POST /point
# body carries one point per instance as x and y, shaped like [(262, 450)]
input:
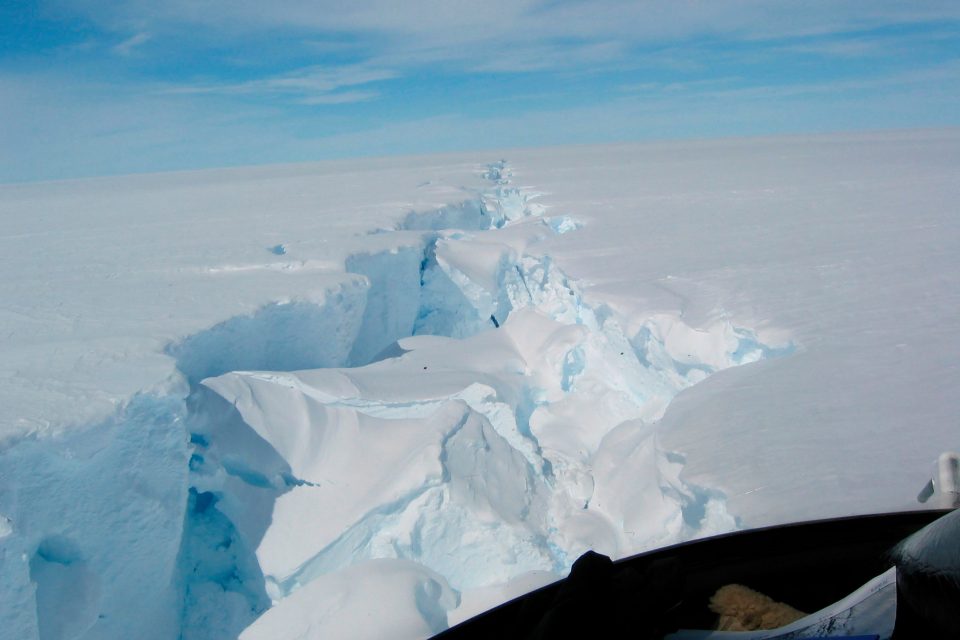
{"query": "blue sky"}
[(99, 87)]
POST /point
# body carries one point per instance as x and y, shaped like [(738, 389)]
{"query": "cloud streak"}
[(188, 83), (314, 85), (450, 30), (127, 47)]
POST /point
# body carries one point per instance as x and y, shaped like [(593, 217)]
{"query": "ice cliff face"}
[(455, 415), (96, 524)]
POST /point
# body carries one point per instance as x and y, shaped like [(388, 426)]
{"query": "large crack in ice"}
[(456, 402), (567, 413)]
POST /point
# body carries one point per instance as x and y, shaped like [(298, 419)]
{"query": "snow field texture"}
[(454, 420)]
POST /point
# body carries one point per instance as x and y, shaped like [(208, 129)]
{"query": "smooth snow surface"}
[(243, 403)]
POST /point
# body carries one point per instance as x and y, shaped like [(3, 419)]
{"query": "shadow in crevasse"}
[(236, 478)]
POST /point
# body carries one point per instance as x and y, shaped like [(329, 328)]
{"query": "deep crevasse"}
[(501, 426)]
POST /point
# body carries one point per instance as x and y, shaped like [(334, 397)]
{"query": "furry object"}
[(743, 609)]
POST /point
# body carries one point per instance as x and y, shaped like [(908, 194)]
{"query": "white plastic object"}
[(944, 486)]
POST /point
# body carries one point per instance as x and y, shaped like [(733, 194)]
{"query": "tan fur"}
[(743, 609)]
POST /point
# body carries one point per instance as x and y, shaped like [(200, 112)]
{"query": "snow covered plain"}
[(342, 399)]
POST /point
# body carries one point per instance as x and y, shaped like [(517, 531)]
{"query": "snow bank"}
[(376, 599), (846, 244)]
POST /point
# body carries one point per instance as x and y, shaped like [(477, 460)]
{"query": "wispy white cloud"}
[(314, 85), (59, 126), (858, 47), (672, 68), (546, 56), (681, 86), (344, 97), (127, 47), (128, 129), (319, 80), (862, 45), (740, 88), (948, 72), (445, 30)]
